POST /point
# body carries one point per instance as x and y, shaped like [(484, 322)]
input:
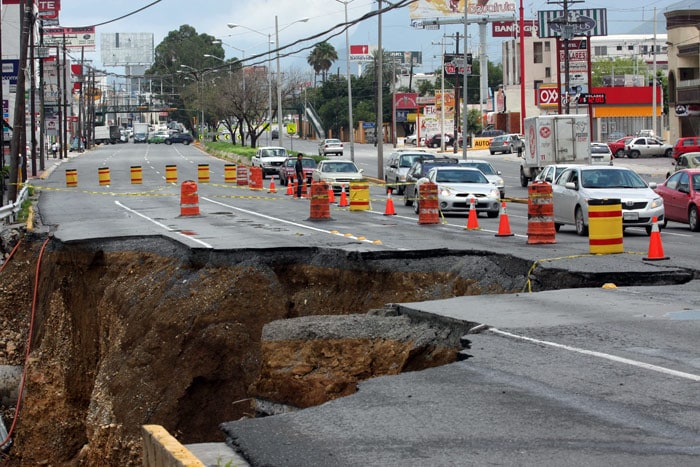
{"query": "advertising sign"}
[(360, 53), (74, 37), (454, 64), (48, 9), (421, 9), (405, 100), (547, 96), (585, 22), (512, 28)]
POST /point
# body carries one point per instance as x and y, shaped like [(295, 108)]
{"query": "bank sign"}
[(512, 28)]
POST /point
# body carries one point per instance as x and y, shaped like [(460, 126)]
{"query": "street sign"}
[(591, 98)]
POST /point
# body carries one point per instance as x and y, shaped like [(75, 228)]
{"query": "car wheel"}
[(186, 142), (693, 219), (168, 142), (620, 153), (416, 207), (510, 149), (523, 179), (668, 153), (492, 152), (492, 214), (634, 154), (406, 200), (557, 227), (664, 223), (581, 228)]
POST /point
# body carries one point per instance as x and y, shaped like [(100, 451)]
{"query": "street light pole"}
[(279, 80), (351, 123)]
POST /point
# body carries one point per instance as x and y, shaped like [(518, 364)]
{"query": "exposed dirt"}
[(143, 331)]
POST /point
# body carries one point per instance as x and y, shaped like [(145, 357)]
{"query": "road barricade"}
[(255, 178), (136, 175), (230, 173), (170, 174), (242, 175), (540, 214), (203, 173), (359, 195), (189, 199), (103, 176), (320, 206), (605, 226), (428, 212), (71, 178)]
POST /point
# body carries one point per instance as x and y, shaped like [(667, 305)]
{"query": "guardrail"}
[(8, 213)]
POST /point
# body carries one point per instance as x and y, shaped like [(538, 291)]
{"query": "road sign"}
[(591, 98)]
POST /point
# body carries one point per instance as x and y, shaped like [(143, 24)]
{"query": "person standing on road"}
[(299, 169)]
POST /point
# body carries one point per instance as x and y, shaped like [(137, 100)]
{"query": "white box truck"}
[(554, 139)]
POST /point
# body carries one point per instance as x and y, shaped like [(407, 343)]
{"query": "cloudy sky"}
[(212, 16)]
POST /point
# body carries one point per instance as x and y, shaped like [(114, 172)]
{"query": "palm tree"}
[(321, 58), (388, 66)]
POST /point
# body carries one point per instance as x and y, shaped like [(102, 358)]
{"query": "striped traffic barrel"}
[(427, 200), (605, 226), (71, 178), (189, 199), (320, 204), (230, 173), (242, 175), (203, 173), (359, 195), (136, 175), (255, 178), (103, 175), (540, 214), (170, 174)]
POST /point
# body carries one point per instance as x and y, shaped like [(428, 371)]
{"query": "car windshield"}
[(340, 167), (611, 179), (483, 166), (274, 152), (460, 176), (408, 159)]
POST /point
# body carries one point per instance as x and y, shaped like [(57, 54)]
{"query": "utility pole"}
[(457, 87)]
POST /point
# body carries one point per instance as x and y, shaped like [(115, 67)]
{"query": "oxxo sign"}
[(548, 96)]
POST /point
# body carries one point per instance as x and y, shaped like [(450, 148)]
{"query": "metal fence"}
[(8, 213)]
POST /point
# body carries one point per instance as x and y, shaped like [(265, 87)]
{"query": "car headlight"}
[(495, 193), (500, 182), (445, 191), (657, 202)]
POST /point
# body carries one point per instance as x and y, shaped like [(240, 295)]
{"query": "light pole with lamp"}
[(351, 124), (195, 73)]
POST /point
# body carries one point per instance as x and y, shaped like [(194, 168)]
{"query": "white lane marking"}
[(605, 356), (277, 219), (163, 226)]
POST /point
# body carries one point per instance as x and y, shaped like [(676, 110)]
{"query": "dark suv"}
[(419, 170), (184, 138)]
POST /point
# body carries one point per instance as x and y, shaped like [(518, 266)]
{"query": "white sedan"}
[(336, 173), (458, 186), (576, 185)]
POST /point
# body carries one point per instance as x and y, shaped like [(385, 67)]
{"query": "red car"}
[(286, 170), (685, 145), (681, 195), (618, 147)]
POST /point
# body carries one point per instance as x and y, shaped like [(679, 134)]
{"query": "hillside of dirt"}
[(144, 331)]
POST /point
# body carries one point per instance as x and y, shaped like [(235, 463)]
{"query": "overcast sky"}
[(212, 16)]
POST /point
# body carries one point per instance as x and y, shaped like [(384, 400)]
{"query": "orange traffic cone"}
[(331, 195), (295, 185), (389, 210), (503, 223), (272, 188), (656, 249), (290, 187), (473, 220), (343, 199)]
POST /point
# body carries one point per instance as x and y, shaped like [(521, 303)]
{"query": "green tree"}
[(321, 59)]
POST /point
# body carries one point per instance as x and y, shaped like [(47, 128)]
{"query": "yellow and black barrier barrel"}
[(136, 175), (359, 195), (605, 226), (170, 174), (71, 178), (203, 173), (103, 175), (230, 173)]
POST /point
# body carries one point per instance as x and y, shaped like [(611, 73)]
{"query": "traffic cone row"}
[(389, 210), (343, 199), (290, 187), (272, 188)]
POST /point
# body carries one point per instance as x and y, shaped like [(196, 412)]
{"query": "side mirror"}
[(653, 185), (498, 172), (571, 186), (362, 170)]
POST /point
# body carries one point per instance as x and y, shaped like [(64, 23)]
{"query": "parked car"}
[(157, 137), (287, 170), (419, 170), (686, 144), (681, 196), (506, 144), (551, 172), (615, 136), (330, 146), (269, 159), (493, 175), (435, 141), (178, 137), (601, 154), (489, 133), (576, 185), (647, 146), (617, 147), (457, 185), (336, 173), (413, 139), (689, 160), (275, 134), (397, 166)]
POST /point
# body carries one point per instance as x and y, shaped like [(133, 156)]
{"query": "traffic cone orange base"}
[(473, 220), (290, 187), (331, 195), (656, 249), (389, 210), (503, 223), (343, 199), (272, 188)]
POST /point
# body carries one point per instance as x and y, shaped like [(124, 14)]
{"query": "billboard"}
[(512, 28), (585, 22), (360, 53), (123, 49), (407, 59), (73, 37), (421, 9)]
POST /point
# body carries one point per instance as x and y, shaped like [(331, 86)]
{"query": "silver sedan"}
[(458, 186)]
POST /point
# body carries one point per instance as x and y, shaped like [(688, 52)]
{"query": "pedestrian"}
[(299, 169), (54, 149)]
